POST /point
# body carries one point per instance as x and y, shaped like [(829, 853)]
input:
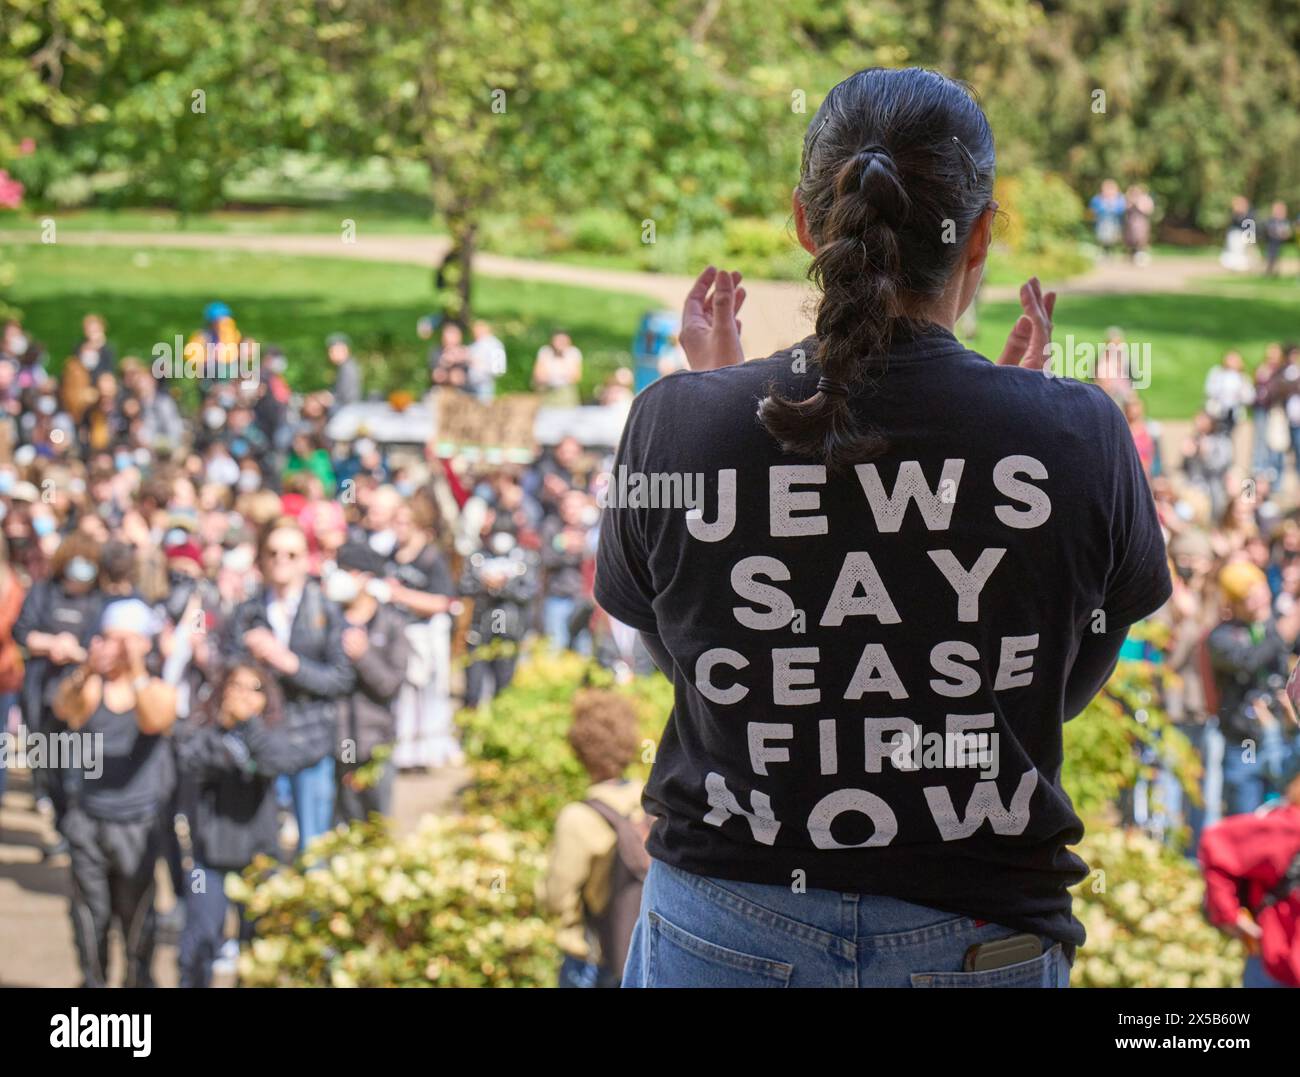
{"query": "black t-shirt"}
[(133, 774), (427, 571), (870, 669)]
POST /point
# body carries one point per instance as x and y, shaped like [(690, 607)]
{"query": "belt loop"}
[(850, 904)]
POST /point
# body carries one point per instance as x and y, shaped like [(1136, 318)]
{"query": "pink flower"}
[(11, 191), (26, 146)]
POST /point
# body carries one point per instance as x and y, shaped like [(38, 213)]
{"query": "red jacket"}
[(1243, 857)]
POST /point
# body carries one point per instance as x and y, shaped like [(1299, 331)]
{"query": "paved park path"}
[(36, 947)]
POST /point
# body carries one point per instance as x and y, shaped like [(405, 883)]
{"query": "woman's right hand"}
[(710, 334)]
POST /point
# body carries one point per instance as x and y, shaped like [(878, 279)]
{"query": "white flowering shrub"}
[(449, 905), (1141, 906)]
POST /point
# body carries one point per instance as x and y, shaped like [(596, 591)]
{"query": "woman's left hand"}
[(710, 334), (1029, 344)]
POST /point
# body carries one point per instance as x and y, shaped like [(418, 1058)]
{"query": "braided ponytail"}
[(880, 180)]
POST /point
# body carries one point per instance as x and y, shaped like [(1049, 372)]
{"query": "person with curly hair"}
[(587, 885)]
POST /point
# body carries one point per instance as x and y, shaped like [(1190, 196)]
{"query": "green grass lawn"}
[(150, 296), (368, 214)]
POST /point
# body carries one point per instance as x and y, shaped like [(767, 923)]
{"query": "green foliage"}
[(224, 85), (1041, 221), (1141, 902), (453, 904), (760, 247), (603, 231), (1141, 907), (523, 769), (1186, 98), (687, 114), (52, 55), (1102, 745), (450, 905)]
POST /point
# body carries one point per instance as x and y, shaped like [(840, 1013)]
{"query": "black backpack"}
[(1284, 887), (614, 924)]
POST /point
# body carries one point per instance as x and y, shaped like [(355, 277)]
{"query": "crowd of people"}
[(1123, 219), (259, 627), (1230, 633), (250, 627)]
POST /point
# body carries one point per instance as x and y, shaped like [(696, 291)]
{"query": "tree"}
[(203, 94), (447, 83), (51, 52)]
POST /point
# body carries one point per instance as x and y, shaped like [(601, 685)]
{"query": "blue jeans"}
[(1262, 458), (205, 926), (702, 932), (1247, 782), (313, 800), (577, 973), (556, 613), (1255, 976)]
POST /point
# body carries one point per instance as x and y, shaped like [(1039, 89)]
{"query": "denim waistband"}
[(836, 919)]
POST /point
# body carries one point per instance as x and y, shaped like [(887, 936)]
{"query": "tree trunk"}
[(452, 279)]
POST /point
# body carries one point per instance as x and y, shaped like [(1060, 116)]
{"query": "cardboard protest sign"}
[(501, 431)]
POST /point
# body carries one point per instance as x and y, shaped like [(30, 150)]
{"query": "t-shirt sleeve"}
[(623, 585), (1138, 583)]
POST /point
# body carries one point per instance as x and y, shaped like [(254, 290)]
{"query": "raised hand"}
[(1030, 340), (710, 334)]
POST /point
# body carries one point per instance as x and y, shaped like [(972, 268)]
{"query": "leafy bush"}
[(1042, 220), (757, 239), (674, 251), (1141, 903), (535, 235), (450, 905), (1103, 745), (523, 770), (1141, 906), (603, 231), (762, 248)]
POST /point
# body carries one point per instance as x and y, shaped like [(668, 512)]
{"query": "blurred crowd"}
[(247, 628), (1229, 638), (1123, 219), (244, 629)]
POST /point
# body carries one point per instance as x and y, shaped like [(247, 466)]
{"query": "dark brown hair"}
[(604, 733), (272, 711), (897, 169)]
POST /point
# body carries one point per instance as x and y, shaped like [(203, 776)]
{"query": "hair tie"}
[(832, 387), (867, 155)]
